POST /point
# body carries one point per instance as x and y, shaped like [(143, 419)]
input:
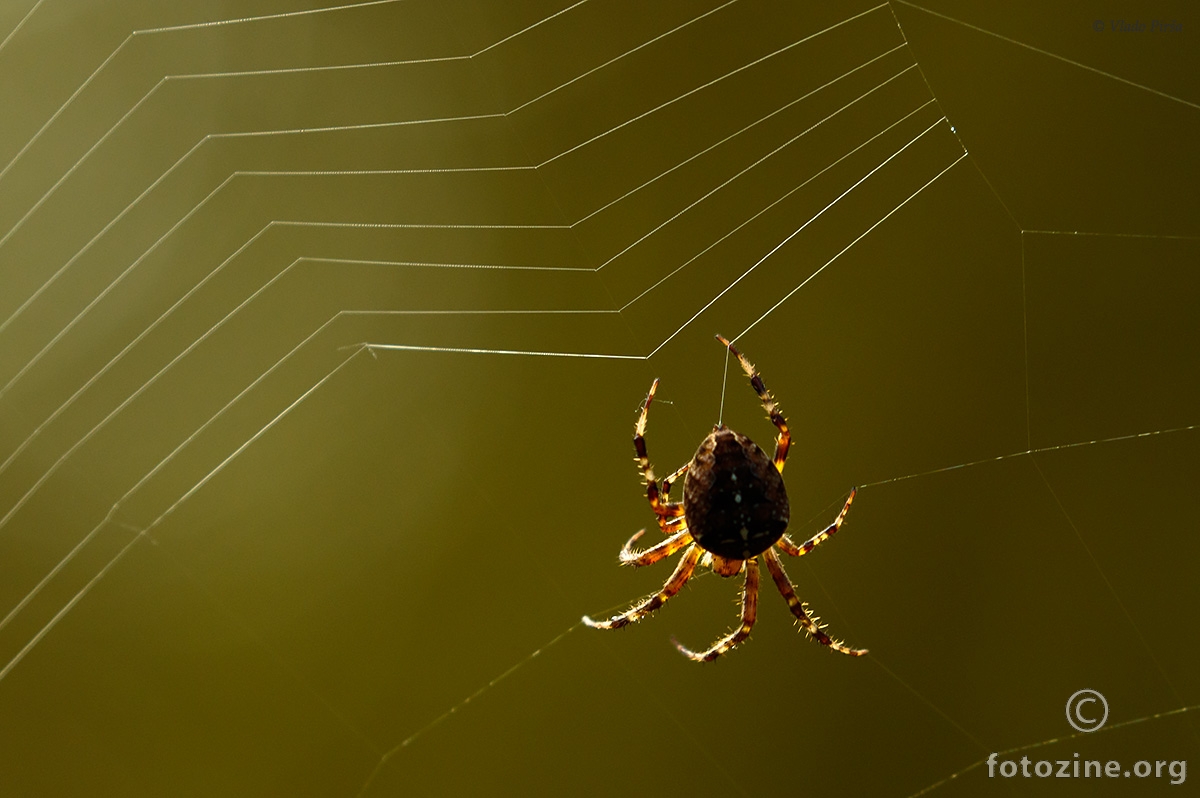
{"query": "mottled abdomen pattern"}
[(733, 498)]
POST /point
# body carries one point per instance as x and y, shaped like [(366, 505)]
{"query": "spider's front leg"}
[(749, 615), (631, 556), (665, 512), (797, 607), (784, 441), (683, 572)]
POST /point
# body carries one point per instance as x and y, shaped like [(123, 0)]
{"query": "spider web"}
[(323, 330)]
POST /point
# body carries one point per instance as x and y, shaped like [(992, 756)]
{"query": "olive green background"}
[(200, 223)]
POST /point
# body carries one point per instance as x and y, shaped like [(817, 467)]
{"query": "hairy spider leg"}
[(682, 573), (749, 615), (679, 522), (665, 485), (797, 607), (665, 512), (788, 545), (661, 550), (784, 441)]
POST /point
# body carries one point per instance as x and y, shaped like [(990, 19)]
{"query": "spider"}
[(734, 508)]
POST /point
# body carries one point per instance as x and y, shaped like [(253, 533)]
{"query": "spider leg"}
[(662, 550), (768, 402), (683, 571), (663, 511), (669, 481), (749, 614), (797, 607), (788, 545)]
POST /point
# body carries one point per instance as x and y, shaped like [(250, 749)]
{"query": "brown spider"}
[(734, 508)]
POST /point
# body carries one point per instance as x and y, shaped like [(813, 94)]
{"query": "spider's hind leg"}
[(671, 480), (784, 441), (664, 510)]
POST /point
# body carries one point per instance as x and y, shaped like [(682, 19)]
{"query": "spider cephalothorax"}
[(734, 508)]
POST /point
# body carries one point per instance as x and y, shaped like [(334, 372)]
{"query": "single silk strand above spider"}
[(734, 508)]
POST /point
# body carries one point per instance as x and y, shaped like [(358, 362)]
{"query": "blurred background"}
[(241, 553)]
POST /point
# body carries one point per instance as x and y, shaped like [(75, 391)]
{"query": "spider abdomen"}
[(734, 499)]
